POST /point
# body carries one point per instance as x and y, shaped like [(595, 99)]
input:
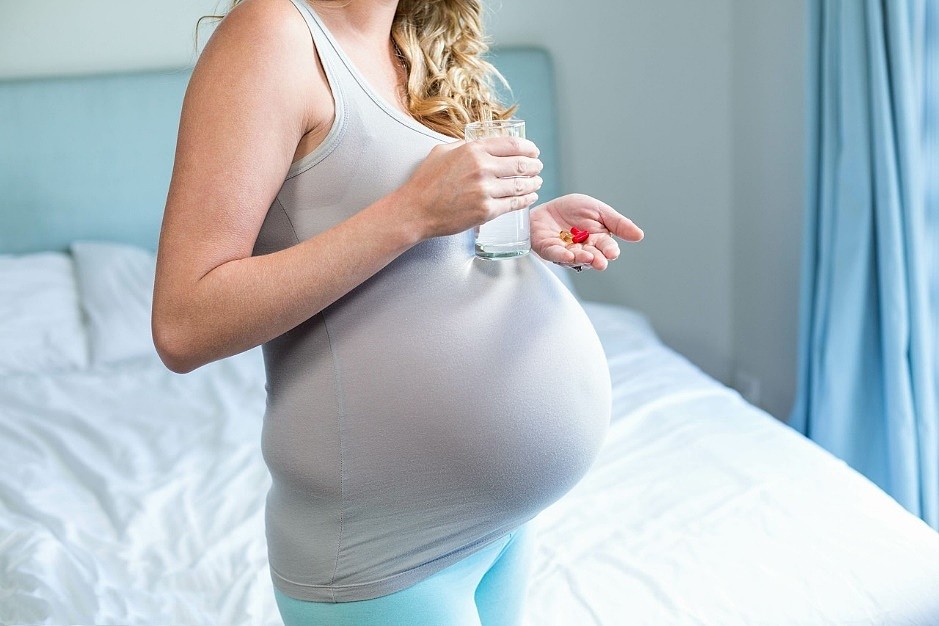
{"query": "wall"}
[(59, 37), (689, 117), (686, 116), (769, 61), (646, 127)]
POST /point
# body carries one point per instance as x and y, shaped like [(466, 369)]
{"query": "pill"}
[(580, 236), (566, 237), (575, 230)]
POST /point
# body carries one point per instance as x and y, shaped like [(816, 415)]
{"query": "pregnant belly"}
[(435, 407), (468, 383)]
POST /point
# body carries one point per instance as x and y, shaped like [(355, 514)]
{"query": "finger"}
[(515, 166), (582, 256), (509, 146), (599, 261), (514, 203), (518, 186), (618, 224), (556, 253), (606, 245)]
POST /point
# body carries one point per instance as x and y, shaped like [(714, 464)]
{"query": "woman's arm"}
[(252, 96), (254, 93)]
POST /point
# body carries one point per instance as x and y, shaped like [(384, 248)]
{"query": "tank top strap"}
[(327, 49), (348, 82)]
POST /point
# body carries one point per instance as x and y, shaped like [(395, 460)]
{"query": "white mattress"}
[(134, 495)]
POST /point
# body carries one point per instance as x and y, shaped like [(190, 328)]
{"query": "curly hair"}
[(442, 45)]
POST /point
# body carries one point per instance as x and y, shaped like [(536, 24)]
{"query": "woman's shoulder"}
[(266, 45), (265, 28)]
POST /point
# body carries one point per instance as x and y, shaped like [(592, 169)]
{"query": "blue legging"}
[(487, 588)]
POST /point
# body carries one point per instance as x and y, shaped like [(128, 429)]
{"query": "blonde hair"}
[(442, 46)]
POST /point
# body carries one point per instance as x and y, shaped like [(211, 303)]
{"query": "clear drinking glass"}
[(508, 235)]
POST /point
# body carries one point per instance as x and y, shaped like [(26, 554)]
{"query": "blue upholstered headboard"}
[(90, 157)]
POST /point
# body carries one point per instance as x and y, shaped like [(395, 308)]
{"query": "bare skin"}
[(596, 217), (257, 101)]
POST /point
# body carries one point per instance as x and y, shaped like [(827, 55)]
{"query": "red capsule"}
[(575, 230), (580, 236)]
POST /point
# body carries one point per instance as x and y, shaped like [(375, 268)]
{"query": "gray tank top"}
[(432, 409)]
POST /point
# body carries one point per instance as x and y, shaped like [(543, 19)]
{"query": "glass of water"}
[(508, 235)]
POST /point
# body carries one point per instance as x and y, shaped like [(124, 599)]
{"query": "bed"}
[(133, 495)]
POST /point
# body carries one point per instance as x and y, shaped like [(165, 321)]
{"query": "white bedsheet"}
[(702, 509), (134, 495)]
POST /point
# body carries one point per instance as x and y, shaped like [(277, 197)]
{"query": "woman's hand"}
[(585, 213), (461, 185)]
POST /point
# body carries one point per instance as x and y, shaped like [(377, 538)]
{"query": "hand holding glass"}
[(508, 235)]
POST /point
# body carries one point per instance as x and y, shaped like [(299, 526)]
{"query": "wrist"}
[(395, 217)]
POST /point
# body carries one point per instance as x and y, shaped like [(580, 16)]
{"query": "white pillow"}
[(41, 326), (115, 283)]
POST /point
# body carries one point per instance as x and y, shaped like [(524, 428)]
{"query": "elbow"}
[(173, 348)]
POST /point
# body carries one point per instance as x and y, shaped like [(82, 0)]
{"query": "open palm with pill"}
[(581, 213)]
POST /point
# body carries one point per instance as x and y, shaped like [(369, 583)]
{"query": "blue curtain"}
[(868, 377)]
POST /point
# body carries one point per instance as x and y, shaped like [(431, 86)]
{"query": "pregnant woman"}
[(422, 404)]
